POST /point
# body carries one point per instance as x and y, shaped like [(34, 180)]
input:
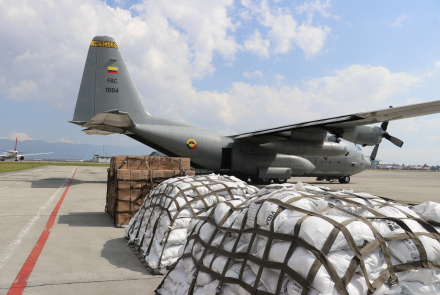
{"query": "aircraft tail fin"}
[(106, 85), (15, 148)]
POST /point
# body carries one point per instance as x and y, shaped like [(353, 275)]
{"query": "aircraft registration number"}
[(112, 90)]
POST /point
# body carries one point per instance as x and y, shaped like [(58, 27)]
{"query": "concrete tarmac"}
[(410, 186), (86, 254)]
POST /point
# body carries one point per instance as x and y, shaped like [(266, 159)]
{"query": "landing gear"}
[(254, 180), (280, 180), (319, 178), (345, 179), (244, 178), (264, 181)]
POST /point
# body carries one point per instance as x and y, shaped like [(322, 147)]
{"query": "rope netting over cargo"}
[(301, 239), (159, 228)]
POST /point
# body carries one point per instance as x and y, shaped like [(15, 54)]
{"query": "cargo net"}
[(301, 239), (158, 231)]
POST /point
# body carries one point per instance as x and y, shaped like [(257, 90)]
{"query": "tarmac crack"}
[(88, 282)]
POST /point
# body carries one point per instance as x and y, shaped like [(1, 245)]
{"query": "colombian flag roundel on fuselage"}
[(191, 144)]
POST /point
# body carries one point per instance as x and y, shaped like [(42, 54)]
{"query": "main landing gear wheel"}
[(345, 179), (280, 180), (264, 181)]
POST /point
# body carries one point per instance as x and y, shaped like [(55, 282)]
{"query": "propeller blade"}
[(384, 126), (374, 152), (394, 140)]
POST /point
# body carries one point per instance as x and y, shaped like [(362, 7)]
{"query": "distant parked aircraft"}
[(18, 156), (424, 167)]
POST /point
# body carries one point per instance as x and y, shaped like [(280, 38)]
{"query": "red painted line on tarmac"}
[(22, 278)]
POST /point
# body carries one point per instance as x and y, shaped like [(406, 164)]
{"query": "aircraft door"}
[(226, 163)]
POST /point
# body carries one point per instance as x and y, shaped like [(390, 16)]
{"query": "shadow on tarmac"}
[(118, 253), (55, 182), (90, 219)]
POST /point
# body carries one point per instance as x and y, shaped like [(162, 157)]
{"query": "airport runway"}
[(84, 253)]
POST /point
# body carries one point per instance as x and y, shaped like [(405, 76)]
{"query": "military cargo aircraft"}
[(108, 102), (17, 155)]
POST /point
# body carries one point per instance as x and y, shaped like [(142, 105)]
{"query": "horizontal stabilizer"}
[(111, 118), (107, 123), (96, 132)]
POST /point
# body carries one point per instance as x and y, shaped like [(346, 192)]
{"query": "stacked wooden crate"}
[(130, 179)]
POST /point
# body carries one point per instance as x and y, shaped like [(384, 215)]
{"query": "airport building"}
[(101, 159)]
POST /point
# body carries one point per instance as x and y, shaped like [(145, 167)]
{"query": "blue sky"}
[(242, 64)]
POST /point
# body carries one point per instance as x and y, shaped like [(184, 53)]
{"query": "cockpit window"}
[(358, 148)]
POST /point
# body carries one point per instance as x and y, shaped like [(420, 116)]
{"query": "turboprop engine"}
[(364, 135), (371, 135), (307, 148)]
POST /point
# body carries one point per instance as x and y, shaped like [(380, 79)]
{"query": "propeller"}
[(385, 134)]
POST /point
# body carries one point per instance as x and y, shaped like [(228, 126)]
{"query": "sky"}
[(244, 65)]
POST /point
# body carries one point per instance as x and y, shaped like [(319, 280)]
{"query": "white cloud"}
[(63, 140), (20, 136), (279, 77), (254, 74), (399, 21), (437, 64), (284, 32), (257, 45), (45, 56), (433, 138), (316, 6)]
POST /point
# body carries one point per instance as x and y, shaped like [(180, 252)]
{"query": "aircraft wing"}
[(353, 120), (35, 154)]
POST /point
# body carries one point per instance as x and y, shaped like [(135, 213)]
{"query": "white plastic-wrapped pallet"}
[(159, 229), (297, 239)]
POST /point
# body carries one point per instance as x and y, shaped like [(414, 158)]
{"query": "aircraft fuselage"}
[(218, 151)]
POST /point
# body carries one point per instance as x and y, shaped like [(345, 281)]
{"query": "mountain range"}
[(62, 150)]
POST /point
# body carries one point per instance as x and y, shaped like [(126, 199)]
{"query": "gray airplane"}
[(108, 102)]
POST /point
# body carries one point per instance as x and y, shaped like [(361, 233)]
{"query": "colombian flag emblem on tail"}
[(191, 144), (112, 70)]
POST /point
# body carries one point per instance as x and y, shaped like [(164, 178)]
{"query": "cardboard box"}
[(186, 163), (133, 163), (157, 173), (135, 207), (121, 162), (136, 194), (124, 194), (190, 172), (145, 174), (135, 174), (123, 174), (125, 184), (142, 162), (123, 206), (168, 173), (123, 218), (172, 163), (155, 163)]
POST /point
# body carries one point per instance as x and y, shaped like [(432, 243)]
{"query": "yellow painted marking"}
[(113, 69), (104, 44)]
